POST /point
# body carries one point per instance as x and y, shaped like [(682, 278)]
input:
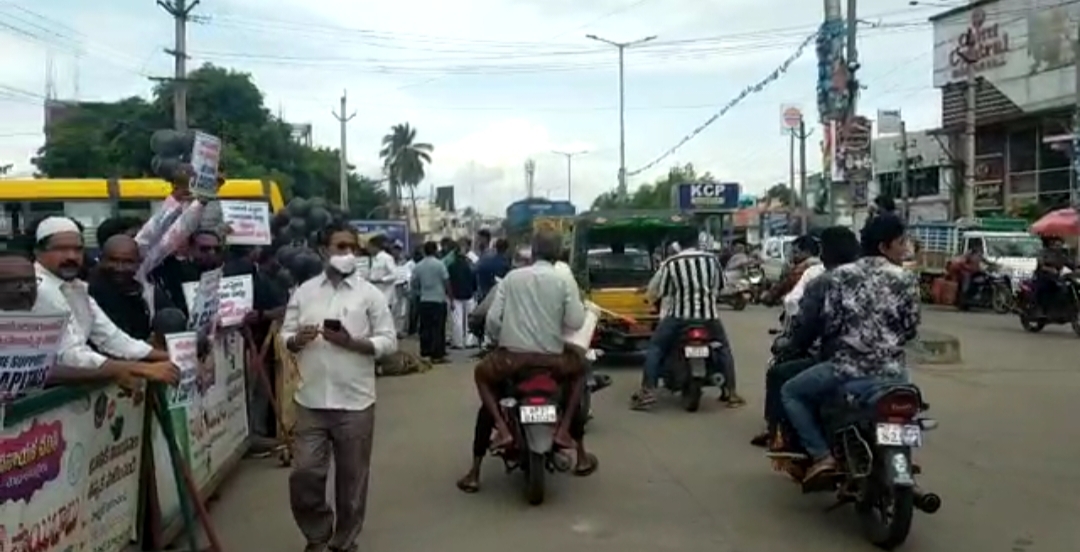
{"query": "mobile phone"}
[(332, 325)]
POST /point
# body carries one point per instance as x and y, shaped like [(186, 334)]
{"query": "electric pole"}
[(569, 171), (343, 161), (622, 46), (180, 10), (905, 191), (804, 214), (852, 27)]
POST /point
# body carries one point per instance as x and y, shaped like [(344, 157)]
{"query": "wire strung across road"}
[(774, 75)]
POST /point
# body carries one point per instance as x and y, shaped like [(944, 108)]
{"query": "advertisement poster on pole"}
[(888, 121), (790, 118), (205, 155), (28, 350)]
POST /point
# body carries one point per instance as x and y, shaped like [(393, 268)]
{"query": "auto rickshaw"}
[(614, 254)]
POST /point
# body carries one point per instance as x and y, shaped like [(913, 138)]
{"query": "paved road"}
[(1004, 461)]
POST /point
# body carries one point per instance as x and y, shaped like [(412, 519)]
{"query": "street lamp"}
[(569, 170), (622, 46)]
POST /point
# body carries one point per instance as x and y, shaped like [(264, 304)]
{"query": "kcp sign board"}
[(709, 196)]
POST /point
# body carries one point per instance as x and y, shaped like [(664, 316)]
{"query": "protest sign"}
[(183, 353), (28, 347), (248, 220), (203, 306), (236, 298), (205, 154), (70, 475)]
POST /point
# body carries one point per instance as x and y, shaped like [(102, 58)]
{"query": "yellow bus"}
[(91, 201)]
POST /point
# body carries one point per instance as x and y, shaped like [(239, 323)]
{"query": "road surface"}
[(1006, 462)]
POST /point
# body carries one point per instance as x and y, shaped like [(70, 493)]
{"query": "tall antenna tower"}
[(50, 77), (530, 174)]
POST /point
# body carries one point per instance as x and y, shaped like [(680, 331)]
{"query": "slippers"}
[(468, 486), (591, 464)]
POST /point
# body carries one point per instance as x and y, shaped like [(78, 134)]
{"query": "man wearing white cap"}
[(58, 250)]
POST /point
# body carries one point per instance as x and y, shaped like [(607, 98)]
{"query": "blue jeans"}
[(666, 335), (801, 396)]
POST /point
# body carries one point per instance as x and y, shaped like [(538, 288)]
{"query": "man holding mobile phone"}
[(337, 323)]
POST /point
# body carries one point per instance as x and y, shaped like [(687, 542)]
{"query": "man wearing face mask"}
[(337, 323), (121, 297), (58, 249)]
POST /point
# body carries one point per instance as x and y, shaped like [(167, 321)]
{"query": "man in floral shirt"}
[(871, 312)]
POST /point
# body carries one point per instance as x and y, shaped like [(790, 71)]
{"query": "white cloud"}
[(489, 83)]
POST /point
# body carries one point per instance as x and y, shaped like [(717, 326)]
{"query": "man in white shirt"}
[(337, 324), (383, 274), (58, 249)]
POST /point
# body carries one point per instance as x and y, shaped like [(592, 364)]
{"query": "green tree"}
[(652, 196), (98, 140), (782, 194), (404, 161), (6, 168)]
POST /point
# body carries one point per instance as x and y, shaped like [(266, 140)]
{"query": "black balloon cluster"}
[(296, 231)]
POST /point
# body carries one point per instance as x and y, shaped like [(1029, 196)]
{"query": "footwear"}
[(821, 467), (761, 440), (643, 400)]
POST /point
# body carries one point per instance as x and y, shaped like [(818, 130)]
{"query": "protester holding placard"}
[(204, 253), (58, 249), (337, 324), (123, 298)]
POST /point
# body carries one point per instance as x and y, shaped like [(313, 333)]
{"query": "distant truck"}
[(1003, 241)]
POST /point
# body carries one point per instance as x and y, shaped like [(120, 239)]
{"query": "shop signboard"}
[(394, 230), (708, 196), (1022, 47)]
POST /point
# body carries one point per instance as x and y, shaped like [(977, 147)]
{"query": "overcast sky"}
[(489, 82)]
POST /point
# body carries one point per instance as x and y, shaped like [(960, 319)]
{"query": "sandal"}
[(591, 464), (468, 485), (642, 400), (735, 401)]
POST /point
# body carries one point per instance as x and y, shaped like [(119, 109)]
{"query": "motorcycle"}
[(736, 293), (989, 291), (687, 368), (755, 277), (532, 410), (1065, 310), (872, 428)]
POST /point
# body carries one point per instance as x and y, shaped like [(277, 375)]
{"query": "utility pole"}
[(343, 161), (569, 171), (181, 12), (971, 97), (622, 46), (852, 27), (1074, 191), (791, 160), (804, 213), (905, 191)]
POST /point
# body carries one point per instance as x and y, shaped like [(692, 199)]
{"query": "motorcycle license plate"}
[(539, 414), (696, 351), (899, 435)]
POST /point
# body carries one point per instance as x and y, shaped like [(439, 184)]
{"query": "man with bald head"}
[(123, 298)]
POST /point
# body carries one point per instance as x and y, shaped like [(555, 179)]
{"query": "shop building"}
[(931, 176), (1022, 56)]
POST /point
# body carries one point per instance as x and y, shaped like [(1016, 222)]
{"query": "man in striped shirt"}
[(688, 287)]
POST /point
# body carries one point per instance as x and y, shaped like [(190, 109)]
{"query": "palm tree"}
[(404, 162)]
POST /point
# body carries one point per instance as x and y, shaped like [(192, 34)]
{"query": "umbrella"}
[(1060, 223)]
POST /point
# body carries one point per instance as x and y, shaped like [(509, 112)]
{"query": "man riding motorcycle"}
[(1053, 259), (794, 351), (967, 269), (804, 251), (688, 286), (532, 308), (870, 312)]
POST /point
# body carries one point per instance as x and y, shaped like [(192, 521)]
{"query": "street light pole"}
[(569, 171), (622, 46)]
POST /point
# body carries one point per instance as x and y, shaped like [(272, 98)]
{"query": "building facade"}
[(1023, 59), (930, 174)]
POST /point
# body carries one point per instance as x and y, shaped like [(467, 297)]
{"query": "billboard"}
[(394, 230), (1023, 47), (708, 196)]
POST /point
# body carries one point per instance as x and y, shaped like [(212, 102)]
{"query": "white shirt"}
[(473, 256), (567, 273), (791, 300), (89, 324), (331, 377), (383, 275)]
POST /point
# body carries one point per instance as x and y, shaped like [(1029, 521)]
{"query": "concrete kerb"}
[(934, 347)]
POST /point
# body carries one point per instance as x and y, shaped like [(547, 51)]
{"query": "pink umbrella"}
[(1061, 223)]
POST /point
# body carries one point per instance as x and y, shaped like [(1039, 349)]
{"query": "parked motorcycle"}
[(737, 294), (989, 291), (872, 428), (687, 368), (1065, 306)]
